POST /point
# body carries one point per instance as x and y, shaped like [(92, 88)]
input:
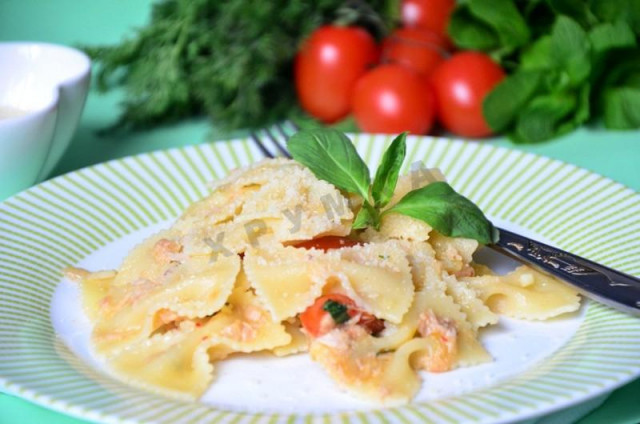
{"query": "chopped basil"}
[(337, 310)]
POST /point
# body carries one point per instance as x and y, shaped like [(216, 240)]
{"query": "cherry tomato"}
[(317, 321), (327, 67), (433, 15), (391, 99), (328, 242), (418, 49), (460, 85)]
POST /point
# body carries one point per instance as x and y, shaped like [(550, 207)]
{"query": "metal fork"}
[(601, 283)]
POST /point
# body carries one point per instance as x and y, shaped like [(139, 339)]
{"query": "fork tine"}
[(276, 142), (261, 146)]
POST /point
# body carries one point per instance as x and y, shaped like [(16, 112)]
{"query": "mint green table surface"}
[(612, 154)]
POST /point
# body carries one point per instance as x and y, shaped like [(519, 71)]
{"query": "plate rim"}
[(62, 407)]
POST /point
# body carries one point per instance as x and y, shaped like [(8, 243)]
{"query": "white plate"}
[(93, 216)]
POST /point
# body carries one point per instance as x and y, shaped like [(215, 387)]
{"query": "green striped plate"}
[(91, 216)]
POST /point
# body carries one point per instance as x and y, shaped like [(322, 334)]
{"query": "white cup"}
[(44, 87)]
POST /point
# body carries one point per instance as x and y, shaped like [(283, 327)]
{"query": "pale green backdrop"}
[(615, 155)]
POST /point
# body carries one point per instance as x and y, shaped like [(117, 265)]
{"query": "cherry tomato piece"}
[(316, 321), (328, 66), (391, 99), (433, 15), (460, 85), (328, 243), (418, 49)]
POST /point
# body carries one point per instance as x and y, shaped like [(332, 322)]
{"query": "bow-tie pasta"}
[(268, 262)]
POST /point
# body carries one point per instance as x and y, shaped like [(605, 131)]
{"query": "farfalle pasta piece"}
[(143, 262), (403, 227), (478, 314), (377, 276), (266, 212), (175, 363), (244, 325), (469, 350), (526, 294), (455, 254), (395, 335), (299, 341), (426, 270), (400, 227), (94, 287), (287, 279), (195, 288), (349, 358)]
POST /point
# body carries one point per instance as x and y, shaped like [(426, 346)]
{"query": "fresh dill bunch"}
[(230, 60)]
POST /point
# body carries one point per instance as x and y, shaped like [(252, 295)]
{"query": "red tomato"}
[(433, 15), (328, 66), (460, 85), (391, 99), (418, 49), (316, 321), (328, 242)]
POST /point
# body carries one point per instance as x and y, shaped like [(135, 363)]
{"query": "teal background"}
[(72, 22)]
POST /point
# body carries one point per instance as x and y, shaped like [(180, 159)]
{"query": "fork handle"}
[(603, 284)]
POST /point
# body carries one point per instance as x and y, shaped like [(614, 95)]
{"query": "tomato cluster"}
[(410, 80)]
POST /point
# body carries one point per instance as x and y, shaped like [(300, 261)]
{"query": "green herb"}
[(367, 217), (330, 155), (338, 311), (231, 60), (569, 63), (384, 183), (446, 211)]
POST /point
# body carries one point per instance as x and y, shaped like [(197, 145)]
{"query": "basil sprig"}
[(331, 156)]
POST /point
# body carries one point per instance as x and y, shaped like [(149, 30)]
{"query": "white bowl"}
[(43, 88)]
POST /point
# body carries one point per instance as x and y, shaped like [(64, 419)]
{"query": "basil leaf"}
[(330, 155), (570, 49), (338, 311), (622, 108), (619, 10), (468, 32), (448, 212), (543, 117), (505, 101), (386, 177), (609, 36), (505, 19), (618, 100), (366, 217), (537, 55)]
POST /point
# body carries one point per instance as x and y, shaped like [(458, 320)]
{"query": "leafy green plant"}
[(570, 62), (331, 156), (230, 60)]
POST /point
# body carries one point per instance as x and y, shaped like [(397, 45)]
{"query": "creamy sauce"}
[(8, 112)]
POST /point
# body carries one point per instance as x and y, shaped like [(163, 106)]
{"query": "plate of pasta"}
[(207, 283)]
